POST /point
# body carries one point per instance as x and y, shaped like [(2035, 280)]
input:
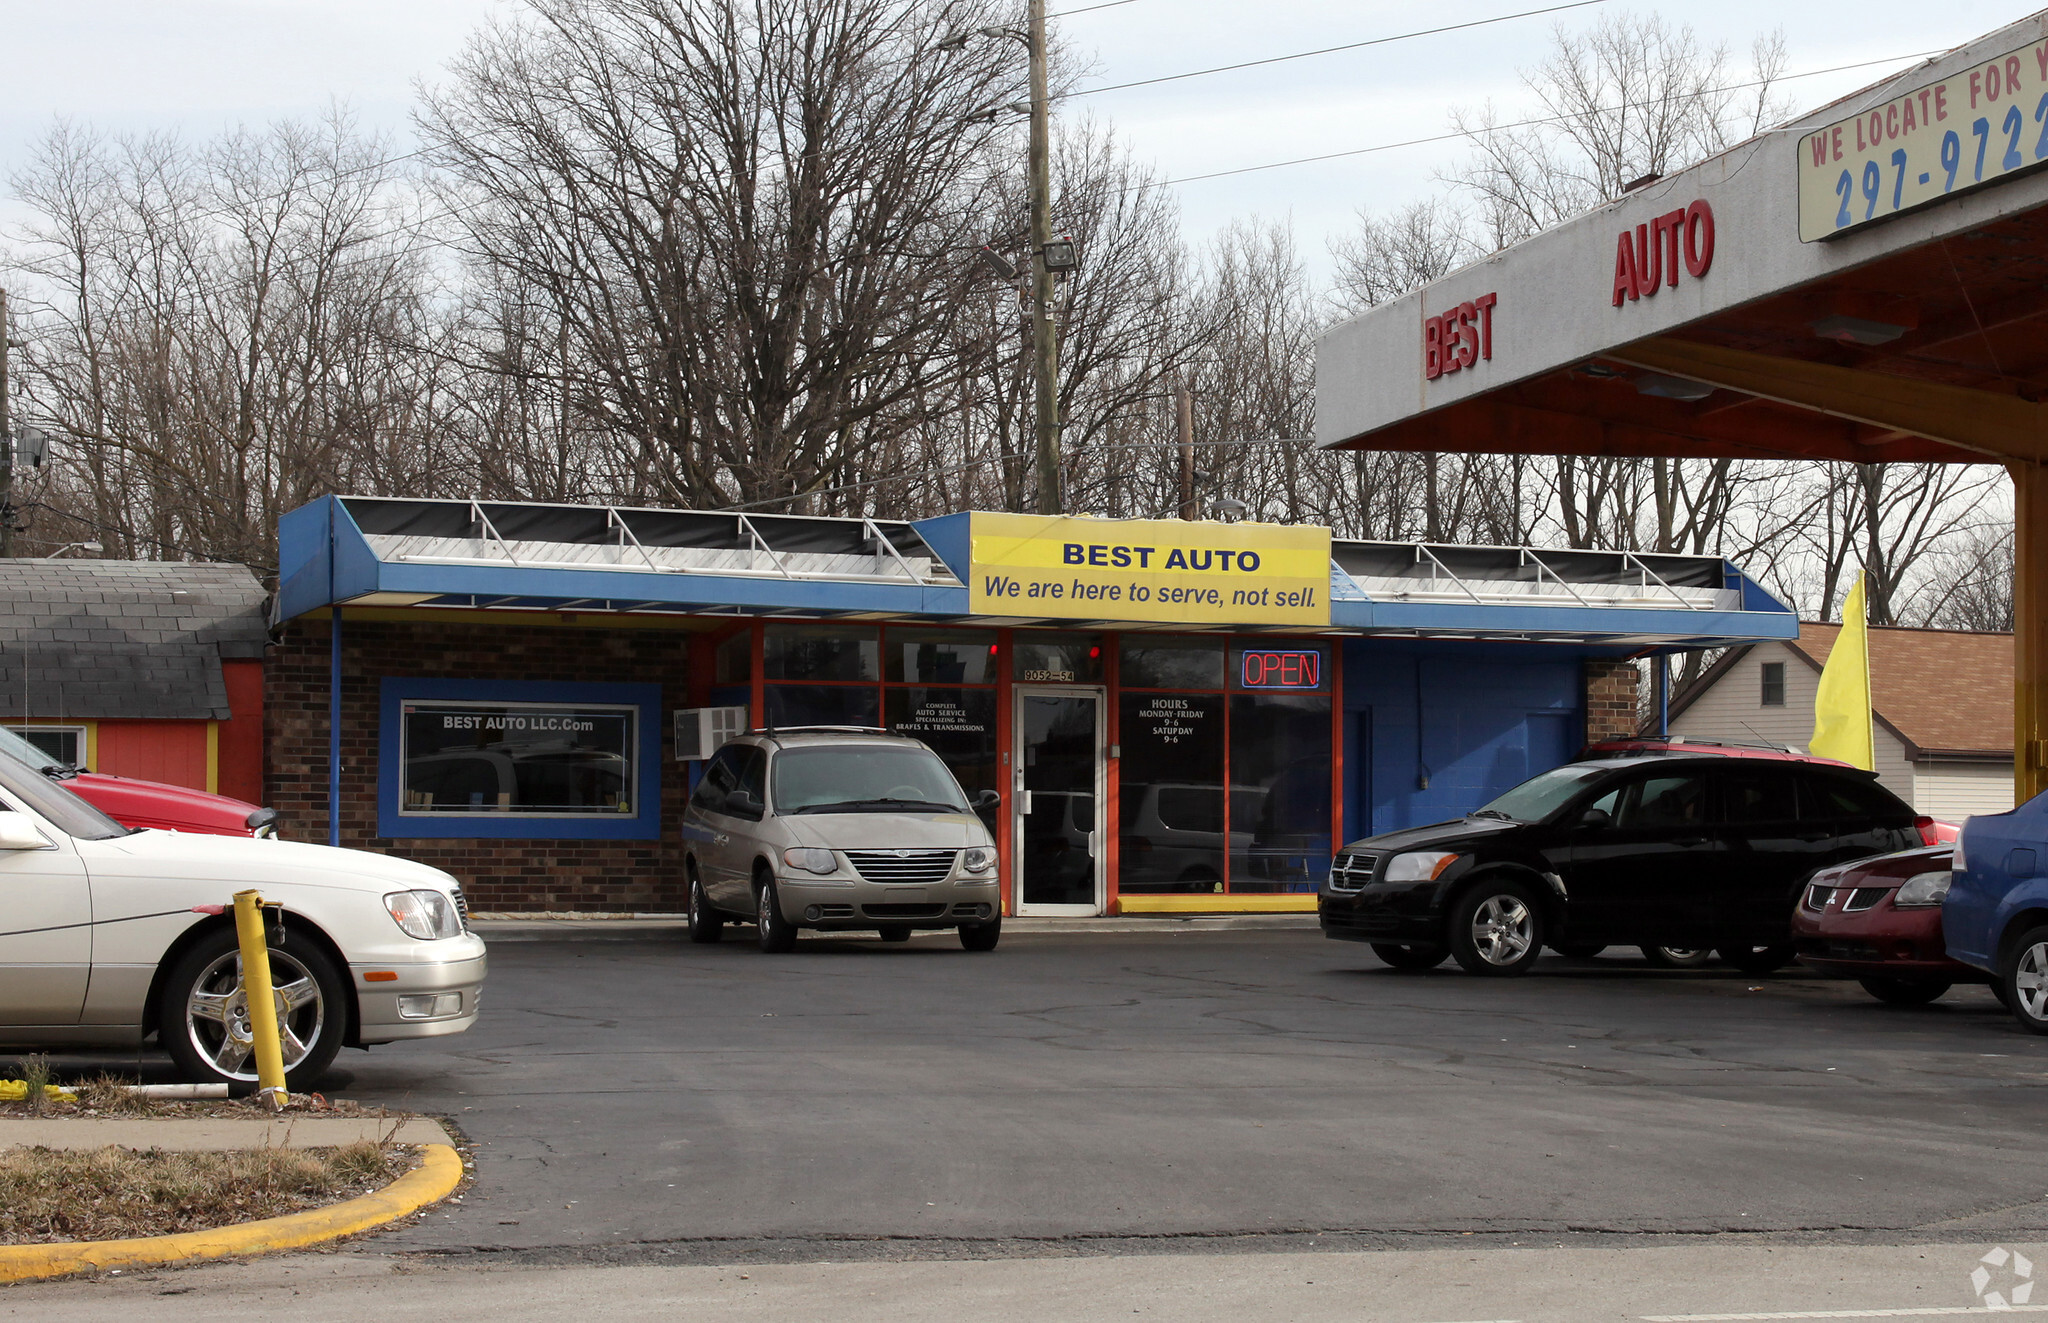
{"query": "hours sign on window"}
[(1975, 127)]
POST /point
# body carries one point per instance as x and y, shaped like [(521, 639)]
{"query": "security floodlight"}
[(955, 41), (996, 262), (1060, 254), (1229, 507)]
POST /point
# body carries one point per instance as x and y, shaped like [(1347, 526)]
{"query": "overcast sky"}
[(196, 66)]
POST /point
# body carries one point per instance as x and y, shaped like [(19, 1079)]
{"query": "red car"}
[(134, 803), (1878, 921)]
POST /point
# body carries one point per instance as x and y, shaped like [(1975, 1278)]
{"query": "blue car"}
[(1996, 914)]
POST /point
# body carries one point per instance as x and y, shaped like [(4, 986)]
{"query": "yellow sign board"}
[(1974, 127), (1171, 570)]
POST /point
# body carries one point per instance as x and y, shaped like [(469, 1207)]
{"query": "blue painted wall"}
[(1473, 720)]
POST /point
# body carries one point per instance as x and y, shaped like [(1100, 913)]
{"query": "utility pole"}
[(1184, 409), (1044, 334), (6, 448)]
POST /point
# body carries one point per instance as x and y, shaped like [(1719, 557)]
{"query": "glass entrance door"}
[(1057, 794)]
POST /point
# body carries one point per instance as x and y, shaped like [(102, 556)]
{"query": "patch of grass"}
[(51, 1195)]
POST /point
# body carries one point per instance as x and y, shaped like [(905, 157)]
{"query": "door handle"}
[(720, 838), (1024, 802)]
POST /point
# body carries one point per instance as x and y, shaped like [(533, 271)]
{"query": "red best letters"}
[(1457, 339)]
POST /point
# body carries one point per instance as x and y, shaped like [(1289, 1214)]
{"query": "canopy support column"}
[(2030, 630)]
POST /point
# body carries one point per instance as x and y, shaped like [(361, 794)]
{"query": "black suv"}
[(1689, 852)]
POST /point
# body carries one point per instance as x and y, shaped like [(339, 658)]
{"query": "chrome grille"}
[(1817, 897), (907, 866), (1350, 872), (462, 907), (1862, 898)]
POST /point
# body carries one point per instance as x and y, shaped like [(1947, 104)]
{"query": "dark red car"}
[(134, 803), (1878, 921)]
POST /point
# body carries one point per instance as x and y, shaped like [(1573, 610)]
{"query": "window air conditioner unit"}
[(700, 730)]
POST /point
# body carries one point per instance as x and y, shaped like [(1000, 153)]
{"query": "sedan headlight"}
[(978, 859), (424, 914), (1923, 890), (1419, 866), (811, 859)]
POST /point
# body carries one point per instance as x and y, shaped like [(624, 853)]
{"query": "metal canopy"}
[(1920, 337)]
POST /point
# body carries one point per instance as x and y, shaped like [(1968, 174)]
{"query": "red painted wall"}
[(241, 736), (172, 751)]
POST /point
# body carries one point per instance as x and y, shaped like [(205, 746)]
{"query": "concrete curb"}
[(439, 1172)]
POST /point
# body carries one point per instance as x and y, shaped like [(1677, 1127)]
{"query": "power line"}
[(1516, 124), (1331, 50)]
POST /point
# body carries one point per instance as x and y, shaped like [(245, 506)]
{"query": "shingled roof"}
[(124, 638), (1942, 691)]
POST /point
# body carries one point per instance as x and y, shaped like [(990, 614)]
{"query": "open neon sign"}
[(1281, 670)]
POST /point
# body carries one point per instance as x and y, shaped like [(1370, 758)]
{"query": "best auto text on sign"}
[(1150, 569), (1971, 128)]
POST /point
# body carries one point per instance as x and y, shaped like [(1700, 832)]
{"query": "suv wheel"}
[(777, 934), (1410, 957), (2024, 980), (706, 924), (1497, 929), (1757, 959), (1676, 957)]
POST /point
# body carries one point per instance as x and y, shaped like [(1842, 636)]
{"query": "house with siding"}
[(149, 669), (1941, 704)]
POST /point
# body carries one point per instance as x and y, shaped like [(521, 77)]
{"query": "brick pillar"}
[(1611, 699)]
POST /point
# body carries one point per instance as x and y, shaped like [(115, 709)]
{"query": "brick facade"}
[(497, 874), (1612, 694)]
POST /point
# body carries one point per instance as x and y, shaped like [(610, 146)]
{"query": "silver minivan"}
[(837, 829)]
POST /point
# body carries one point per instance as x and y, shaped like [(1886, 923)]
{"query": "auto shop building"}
[(1178, 716)]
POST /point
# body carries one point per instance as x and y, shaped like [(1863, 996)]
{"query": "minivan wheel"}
[(706, 925), (203, 1017), (2025, 980), (777, 934), (1412, 957), (894, 932), (1757, 959), (1905, 991), (981, 936), (1676, 957), (1497, 929)]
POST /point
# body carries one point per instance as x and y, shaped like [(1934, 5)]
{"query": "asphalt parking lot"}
[(650, 1101)]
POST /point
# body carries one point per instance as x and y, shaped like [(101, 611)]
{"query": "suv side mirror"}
[(987, 799), (742, 804), (18, 832), (1596, 817)]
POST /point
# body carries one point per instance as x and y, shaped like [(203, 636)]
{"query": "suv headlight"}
[(811, 859), (424, 914), (978, 859), (1923, 890), (1419, 865)]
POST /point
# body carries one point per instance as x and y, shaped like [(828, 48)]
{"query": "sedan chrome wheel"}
[(217, 1014), (1503, 930), (2030, 983)]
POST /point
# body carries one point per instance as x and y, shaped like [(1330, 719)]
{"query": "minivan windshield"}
[(1540, 796), (64, 810), (864, 778)]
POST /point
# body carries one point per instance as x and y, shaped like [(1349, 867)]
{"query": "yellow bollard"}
[(261, 997)]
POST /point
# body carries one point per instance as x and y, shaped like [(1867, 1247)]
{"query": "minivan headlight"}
[(1923, 890), (811, 859), (978, 859), (424, 914), (1420, 865)]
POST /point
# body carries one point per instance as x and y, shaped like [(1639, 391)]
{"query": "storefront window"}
[(929, 656), (531, 759), (821, 652), (1057, 658), (1171, 837), (1279, 791), (1151, 661), (959, 725), (1280, 668), (823, 705)]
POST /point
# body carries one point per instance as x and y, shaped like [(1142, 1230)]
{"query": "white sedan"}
[(110, 936)]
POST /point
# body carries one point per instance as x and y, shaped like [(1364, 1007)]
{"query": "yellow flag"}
[(1841, 708)]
